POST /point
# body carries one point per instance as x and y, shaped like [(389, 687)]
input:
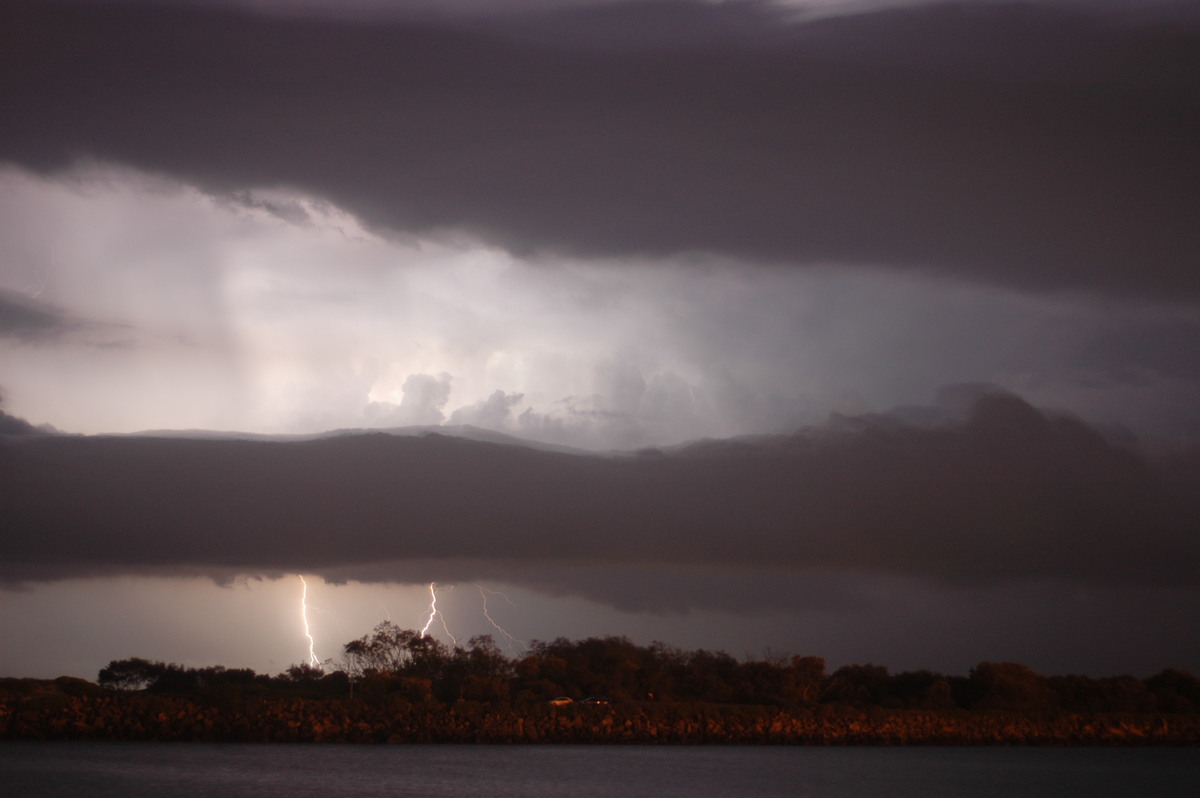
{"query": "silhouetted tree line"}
[(393, 665)]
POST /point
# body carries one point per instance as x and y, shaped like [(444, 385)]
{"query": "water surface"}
[(270, 770)]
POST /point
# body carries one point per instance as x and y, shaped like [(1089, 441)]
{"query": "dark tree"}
[(1175, 691), (859, 685), (1009, 686), (130, 674)]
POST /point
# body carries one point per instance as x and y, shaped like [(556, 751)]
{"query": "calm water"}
[(266, 771)]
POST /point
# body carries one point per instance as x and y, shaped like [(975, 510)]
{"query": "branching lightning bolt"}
[(435, 613), (313, 660), (508, 639), (446, 629)]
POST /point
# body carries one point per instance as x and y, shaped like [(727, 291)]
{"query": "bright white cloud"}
[(272, 311)]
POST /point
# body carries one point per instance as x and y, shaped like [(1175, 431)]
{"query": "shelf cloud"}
[(1007, 493)]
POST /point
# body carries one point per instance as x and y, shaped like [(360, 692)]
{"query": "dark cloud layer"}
[(1008, 493), (1032, 145), (11, 425), (30, 321)]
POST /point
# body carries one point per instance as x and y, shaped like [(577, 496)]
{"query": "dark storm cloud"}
[(286, 210), (1007, 493), (28, 320), (1139, 351), (11, 425), (1032, 145), (652, 587)]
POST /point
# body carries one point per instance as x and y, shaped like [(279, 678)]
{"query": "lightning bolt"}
[(435, 613), (509, 639), (313, 660), (432, 610)]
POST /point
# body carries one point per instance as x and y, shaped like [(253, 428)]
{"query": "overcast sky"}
[(868, 330)]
